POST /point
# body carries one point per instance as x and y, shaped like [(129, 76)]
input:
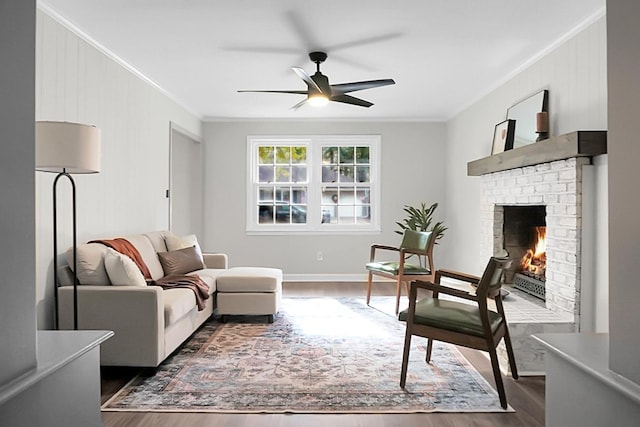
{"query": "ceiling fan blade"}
[(354, 86), (298, 105), (307, 78), (298, 92), (348, 99)]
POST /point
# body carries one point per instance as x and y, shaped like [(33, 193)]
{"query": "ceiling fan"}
[(320, 92)]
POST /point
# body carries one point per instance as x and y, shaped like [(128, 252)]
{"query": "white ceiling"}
[(443, 54)]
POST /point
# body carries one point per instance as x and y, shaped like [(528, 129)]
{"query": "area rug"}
[(321, 355)]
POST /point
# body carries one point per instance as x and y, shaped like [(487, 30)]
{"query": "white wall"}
[(76, 82), (575, 74), (412, 171), (17, 208)]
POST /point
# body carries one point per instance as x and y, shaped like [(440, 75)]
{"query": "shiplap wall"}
[(17, 248), (77, 82), (576, 75)]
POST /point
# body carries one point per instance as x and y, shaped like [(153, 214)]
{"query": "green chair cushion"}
[(393, 267), (451, 315)]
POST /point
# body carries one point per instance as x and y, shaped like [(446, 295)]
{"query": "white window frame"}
[(314, 145)]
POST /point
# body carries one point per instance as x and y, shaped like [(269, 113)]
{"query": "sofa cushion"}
[(182, 261), (174, 243), (122, 270), (90, 258), (209, 275), (148, 254), (177, 303), (157, 240)]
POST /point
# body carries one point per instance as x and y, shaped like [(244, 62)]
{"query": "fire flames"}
[(535, 260)]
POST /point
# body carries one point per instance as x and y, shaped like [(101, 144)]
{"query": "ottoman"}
[(249, 291)]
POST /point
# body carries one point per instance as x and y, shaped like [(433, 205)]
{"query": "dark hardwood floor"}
[(525, 395)]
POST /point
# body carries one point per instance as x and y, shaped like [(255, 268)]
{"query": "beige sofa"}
[(149, 322)]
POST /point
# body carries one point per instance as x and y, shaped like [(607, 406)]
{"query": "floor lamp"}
[(66, 148)]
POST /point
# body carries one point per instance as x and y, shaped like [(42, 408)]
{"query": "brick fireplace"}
[(557, 188), (541, 184)]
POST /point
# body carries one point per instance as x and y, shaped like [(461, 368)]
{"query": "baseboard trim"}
[(353, 277)]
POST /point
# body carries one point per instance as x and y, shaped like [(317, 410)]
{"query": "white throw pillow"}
[(175, 243), (122, 270)]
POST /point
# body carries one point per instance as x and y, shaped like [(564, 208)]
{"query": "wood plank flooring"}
[(525, 395)]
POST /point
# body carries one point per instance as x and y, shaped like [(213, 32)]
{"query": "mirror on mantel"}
[(525, 114)]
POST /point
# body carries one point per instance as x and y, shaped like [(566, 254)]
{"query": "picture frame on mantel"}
[(503, 136)]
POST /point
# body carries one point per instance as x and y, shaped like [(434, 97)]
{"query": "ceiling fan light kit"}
[(319, 92)]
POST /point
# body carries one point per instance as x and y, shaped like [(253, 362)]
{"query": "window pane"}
[(346, 173), (329, 155), (346, 215), (363, 214), (298, 173), (299, 155), (283, 174), (265, 173), (298, 214), (283, 155), (329, 195), (265, 194), (265, 214), (362, 155), (299, 195), (282, 214), (265, 155), (362, 196), (346, 155), (329, 173), (283, 195), (346, 196), (363, 174)]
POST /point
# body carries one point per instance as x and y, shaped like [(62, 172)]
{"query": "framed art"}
[(503, 136)]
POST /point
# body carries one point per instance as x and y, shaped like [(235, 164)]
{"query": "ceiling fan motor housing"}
[(318, 57)]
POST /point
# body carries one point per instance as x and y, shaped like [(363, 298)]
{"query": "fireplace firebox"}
[(524, 235)]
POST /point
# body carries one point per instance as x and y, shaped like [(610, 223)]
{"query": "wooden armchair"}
[(417, 243), (469, 325)]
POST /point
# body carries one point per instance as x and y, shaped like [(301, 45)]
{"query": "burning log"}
[(534, 261)]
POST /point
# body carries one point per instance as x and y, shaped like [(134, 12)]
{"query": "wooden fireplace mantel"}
[(582, 143)]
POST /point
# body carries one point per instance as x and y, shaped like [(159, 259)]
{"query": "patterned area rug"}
[(321, 355)]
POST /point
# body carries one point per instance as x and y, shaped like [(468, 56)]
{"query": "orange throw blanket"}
[(195, 283)]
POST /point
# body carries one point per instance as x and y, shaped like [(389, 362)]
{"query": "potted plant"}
[(420, 219)]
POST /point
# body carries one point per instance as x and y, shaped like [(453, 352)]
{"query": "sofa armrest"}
[(217, 261), (134, 313)]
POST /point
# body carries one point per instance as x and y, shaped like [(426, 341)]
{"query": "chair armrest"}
[(458, 276), (218, 260), (442, 289), (372, 256), (385, 247)]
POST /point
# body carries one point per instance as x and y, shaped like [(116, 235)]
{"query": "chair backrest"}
[(416, 240), (421, 242), (491, 280)]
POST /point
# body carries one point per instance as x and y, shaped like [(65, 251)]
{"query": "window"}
[(313, 184)]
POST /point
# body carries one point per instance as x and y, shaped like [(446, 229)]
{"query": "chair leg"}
[(405, 357), (498, 378), (512, 359), (369, 279), (429, 349), (398, 291)]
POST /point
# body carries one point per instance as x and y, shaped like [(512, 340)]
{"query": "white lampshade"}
[(67, 147)]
